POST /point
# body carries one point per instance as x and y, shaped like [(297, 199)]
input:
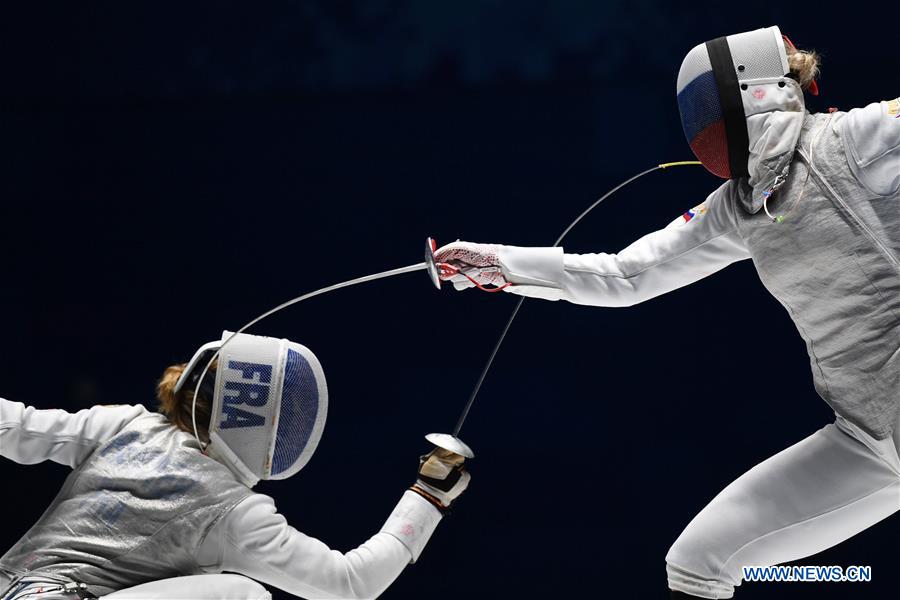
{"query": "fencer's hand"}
[(481, 262), (442, 477)]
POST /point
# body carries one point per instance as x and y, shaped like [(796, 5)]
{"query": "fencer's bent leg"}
[(803, 500), (195, 587)]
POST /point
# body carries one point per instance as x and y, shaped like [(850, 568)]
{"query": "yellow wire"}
[(680, 163)]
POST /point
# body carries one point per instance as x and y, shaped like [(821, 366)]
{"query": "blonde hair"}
[(803, 64), (177, 407)]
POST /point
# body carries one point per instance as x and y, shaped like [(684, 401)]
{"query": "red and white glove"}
[(480, 262)]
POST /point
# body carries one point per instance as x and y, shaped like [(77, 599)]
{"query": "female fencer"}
[(159, 505), (814, 201)]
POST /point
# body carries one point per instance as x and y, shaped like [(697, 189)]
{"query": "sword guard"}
[(451, 443)]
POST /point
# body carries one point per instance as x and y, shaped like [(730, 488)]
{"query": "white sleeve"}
[(871, 137), (254, 540), (693, 246), (29, 435)]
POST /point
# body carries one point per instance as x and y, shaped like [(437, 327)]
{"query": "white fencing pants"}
[(195, 587), (811, 496)]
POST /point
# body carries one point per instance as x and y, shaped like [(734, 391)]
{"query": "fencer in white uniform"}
[(814, 201), (145, 514)]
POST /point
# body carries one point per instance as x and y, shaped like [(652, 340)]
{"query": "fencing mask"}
[(727, 90), (269, 404)]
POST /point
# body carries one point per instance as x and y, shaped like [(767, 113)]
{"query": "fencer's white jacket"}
[(252, 538)]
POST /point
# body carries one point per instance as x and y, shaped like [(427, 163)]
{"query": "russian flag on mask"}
[(703, 123)]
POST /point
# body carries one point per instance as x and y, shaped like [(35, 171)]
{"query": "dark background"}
[(173, 169)]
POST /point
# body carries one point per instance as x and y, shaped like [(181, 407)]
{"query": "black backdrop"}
[(170, 170)]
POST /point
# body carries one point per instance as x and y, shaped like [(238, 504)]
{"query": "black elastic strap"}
[(732, 106)]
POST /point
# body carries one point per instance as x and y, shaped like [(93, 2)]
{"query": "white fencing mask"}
[(725, 82), (742, 109), (269, 404)]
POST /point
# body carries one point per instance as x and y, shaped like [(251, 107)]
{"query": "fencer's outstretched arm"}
[(695, 245), (256, 541), (682, 253), (29, 435)]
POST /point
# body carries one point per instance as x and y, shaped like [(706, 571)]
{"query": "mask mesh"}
[(695, 64), (701, 112), (299, 409)]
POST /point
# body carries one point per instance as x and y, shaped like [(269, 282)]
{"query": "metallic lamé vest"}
[(833, 264), (135, 511)]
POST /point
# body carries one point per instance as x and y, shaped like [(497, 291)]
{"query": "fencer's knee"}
[(693, 566), (241, 588)]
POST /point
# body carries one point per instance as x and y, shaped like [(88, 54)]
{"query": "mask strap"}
[(728, 86)]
